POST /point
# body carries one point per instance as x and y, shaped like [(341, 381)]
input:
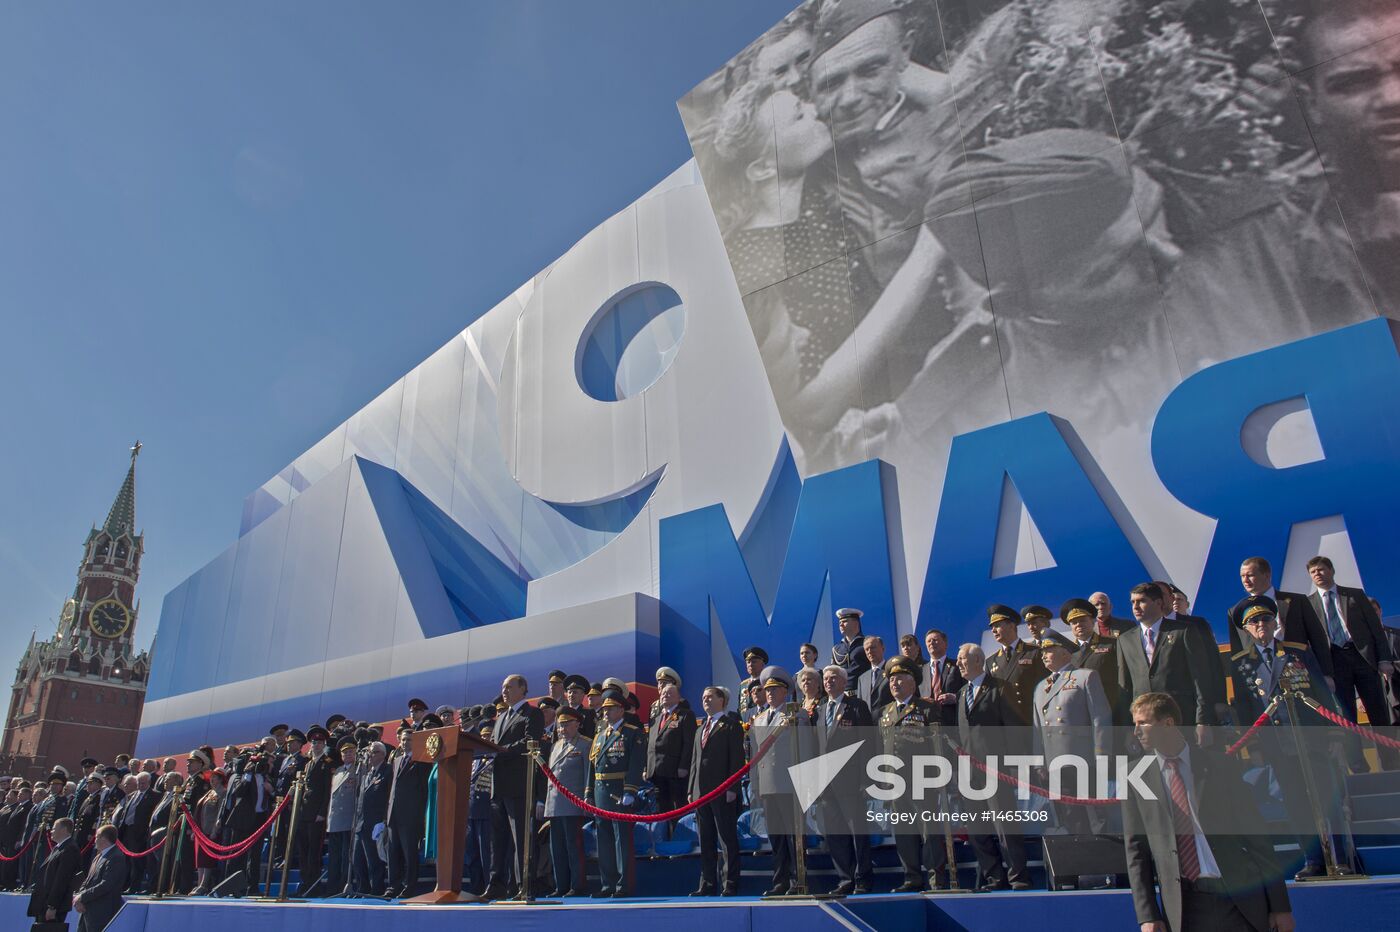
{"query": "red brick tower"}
[(79, 693)]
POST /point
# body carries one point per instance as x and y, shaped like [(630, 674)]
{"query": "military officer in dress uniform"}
[(670, 739), (617, 756), (1017, 664), (576, 698), (907, 728), (417, 708), (850, 652), (772, 782), (1037, 619), (568, 761), (1094, 651), (289, 767), (755, 659), (556, 686), (1260, 673), (1072, 719), (321, 764)]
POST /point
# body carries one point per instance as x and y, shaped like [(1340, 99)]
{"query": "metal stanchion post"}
[(953, 886), (1334, 871), (291, 835), (165, 850), (271, 848), (527, 867), (798, 890), (179, 847)]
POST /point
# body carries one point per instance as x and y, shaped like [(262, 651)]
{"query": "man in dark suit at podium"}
[(718, 751), (518, 724)]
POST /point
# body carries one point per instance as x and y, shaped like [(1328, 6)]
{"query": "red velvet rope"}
[(128, 852), (1350, 725), (1035, 790), (220, 852), (659, 816), (20, 853), (1263, 719)]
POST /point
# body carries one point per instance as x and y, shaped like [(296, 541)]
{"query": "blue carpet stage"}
[(1316, 906)]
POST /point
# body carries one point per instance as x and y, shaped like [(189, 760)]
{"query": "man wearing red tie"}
[(943, 678), (1198, 837)]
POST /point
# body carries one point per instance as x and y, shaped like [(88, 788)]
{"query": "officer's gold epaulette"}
[(627, 725), (1244, 653), (1294, 644)]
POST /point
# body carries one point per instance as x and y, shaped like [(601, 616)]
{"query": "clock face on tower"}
[(109, 618)]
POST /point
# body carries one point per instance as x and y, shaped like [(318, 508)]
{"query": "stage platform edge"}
[(1315, 906)]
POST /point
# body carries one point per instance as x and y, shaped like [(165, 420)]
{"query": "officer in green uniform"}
[(1262, 672), (1017, 665), (907, 728), (618, 753)]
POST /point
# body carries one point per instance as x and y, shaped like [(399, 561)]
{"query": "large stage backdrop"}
[(959, 302)]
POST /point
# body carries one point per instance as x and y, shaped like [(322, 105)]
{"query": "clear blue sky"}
[(226, 227)]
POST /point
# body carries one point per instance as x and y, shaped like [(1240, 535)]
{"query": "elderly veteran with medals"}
[(669, 743), (906, 729), (569, 762), (1266, 671), (771, 780)]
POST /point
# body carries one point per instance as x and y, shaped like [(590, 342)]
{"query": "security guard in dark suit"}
[(755, 659), (1262, 672), (907, 728), (1016, 665), (617, 756)]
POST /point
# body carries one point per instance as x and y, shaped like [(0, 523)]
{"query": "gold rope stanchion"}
[(291, 835), (165, 848), (1334, 871), (953, 886), (179, 848), (525, 897), (798, 890), (272, 848)]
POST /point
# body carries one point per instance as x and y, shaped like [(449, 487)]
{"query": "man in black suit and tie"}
[(518, 724), (1360, 655), (133, 822), (1162, 656), (53, 883), (1198, 838), (944, 679), (717, 752), (100, 896), (841, 807), (371, 813), (1212, 675), (408, 795), (1297, 619), (984, 717), (873, 686)]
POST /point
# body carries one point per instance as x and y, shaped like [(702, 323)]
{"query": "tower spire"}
[(122, 516)]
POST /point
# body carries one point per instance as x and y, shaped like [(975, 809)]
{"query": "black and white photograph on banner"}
[(941, 213)]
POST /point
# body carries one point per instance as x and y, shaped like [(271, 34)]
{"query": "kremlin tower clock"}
[(79, 694)]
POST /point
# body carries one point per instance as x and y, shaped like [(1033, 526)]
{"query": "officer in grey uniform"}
[(771, 780), (1072, 719), (617, 755)]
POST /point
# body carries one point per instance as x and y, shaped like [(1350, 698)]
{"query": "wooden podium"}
[(452, 750)]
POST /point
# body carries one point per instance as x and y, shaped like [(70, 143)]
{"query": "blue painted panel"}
[(202, 624), (172, 611), (252, 602)]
